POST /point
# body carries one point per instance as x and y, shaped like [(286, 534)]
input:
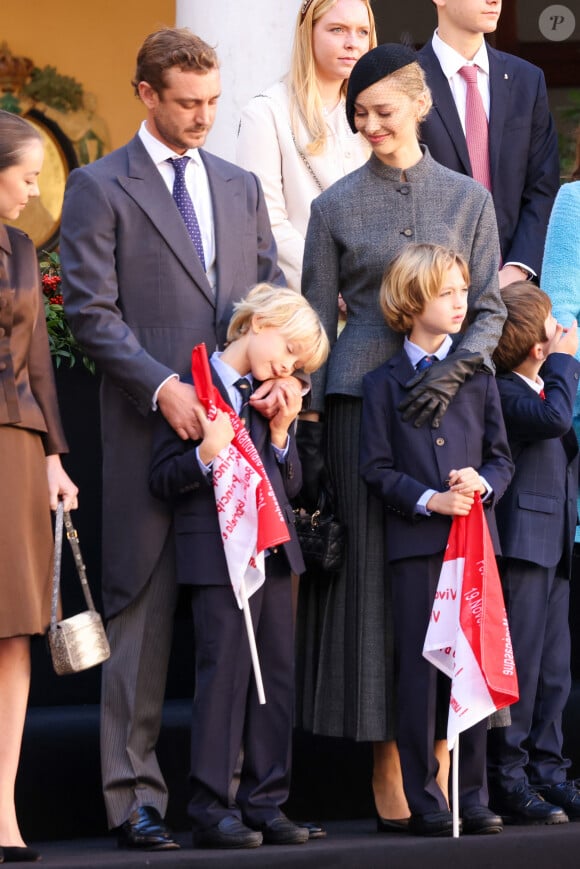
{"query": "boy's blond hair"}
[(528, 308), (414, 278), (289, 312)]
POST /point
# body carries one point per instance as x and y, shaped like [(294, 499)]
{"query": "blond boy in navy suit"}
[(273, 332), (425, 476)]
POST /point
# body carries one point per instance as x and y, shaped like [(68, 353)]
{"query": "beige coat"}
[(291, 178)]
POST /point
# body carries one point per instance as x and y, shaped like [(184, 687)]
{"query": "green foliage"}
[(10, 103), (64, 347), (61, 92)]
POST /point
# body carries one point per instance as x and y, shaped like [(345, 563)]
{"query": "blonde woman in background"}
[(295, 136)]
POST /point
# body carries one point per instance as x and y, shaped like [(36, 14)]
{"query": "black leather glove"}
[(430, 391), (310, 444)]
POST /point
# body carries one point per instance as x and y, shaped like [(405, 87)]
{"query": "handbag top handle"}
[(63, 517)]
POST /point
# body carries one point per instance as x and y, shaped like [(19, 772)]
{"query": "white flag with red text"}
[(249, 514), (468, 637)]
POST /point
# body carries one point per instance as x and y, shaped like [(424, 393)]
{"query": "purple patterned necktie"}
[(476, 128), (185, 205)]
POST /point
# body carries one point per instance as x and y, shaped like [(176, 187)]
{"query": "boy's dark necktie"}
[(185, 205), (425, 362), (244, 387)]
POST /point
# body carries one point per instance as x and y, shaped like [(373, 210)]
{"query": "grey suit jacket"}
[(356, 228), (138, 301)]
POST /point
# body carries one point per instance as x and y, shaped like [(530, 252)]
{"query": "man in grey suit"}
[(141, 288)]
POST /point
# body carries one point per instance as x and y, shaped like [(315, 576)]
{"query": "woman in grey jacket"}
[(357, 226)]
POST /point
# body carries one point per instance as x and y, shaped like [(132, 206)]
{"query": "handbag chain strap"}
[(299, 150), (63, 517)]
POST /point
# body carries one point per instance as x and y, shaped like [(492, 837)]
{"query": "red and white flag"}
[(468, 637), (249, 514)]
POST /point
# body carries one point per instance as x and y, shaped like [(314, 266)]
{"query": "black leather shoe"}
[(523, 805), (146, 829), (566, 795), (19, 854), (282, 831), (480, 820), (392, 825), (229, 833), (431, 824), (315, 831)]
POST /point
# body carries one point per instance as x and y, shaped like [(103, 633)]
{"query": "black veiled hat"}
[(376, 64)]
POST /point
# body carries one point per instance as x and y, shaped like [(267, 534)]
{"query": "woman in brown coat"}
[(33, 479)]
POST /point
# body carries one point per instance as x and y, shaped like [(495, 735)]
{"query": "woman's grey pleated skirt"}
[(345, 654)]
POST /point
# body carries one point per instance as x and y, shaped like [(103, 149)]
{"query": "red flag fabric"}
[(249, 514), (468, 637)]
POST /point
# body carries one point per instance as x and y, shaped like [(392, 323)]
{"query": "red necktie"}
[(476, 128)]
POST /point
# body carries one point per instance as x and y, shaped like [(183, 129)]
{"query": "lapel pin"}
[(505, 75)]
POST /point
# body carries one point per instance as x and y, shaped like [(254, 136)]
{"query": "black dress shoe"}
[(392, 825), (283, 831), (566, 795), (523, 805), (19, 854), (431, 824), (480, 820), (228, 833), (315, 831), (146, 829)]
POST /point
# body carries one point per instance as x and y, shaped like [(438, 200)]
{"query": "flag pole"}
[(455, 787), (252, 642)]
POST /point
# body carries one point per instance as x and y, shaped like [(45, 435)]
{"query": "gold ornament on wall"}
[(72, 132)]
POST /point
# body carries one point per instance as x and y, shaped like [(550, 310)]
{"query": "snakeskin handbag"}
[(80, 641)]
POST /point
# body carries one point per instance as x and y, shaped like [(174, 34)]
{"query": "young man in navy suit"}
[(522, 142), (425, 476), (273, 332), (536, 521)]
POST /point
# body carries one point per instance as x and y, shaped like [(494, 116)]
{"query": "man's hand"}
[(267, 398), (431, 391), (509, 274), (180, 406)]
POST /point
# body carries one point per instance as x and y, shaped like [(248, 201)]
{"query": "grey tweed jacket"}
[(356, 228)]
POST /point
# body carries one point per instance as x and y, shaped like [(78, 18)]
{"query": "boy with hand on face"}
[(536, 521), (272, 333)]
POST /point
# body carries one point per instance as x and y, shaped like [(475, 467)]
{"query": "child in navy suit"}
[(273, 332), (536, 521), (425, 476)]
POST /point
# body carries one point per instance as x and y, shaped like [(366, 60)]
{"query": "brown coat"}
[(27, 387)]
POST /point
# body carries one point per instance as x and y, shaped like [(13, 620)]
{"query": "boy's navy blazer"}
[(538, 514), (175, 476), (399, 461)]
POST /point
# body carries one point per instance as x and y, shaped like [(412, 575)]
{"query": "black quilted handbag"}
[(322, 538)]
